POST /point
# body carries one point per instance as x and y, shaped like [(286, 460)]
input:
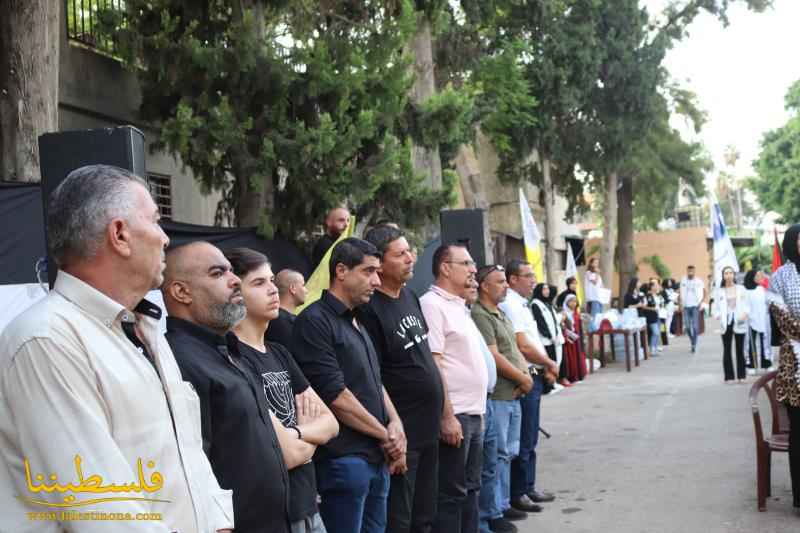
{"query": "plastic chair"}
[(777, 441)]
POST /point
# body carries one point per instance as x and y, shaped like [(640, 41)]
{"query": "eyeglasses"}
[(484, 271), (465, 263)]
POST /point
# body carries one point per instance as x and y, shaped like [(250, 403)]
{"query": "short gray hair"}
[(83, 205)]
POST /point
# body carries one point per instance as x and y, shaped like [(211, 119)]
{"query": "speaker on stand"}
[(62, 152), (469, 227)]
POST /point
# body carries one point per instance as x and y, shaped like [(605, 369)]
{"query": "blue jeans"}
[(507, 417), (353, 494), (655, 336), (691, 323), (523, 468), (595, 308), (488, 501)]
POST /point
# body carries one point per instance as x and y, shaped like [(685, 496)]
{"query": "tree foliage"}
[(304, 102), (777, 184)]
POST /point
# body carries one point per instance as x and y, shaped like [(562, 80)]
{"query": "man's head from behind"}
[(291, 287), (521, 277), (397, 262), (103, 223), (337, 221), (200, 286), (354, 268)]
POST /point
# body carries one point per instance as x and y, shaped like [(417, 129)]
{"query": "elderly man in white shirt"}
[(521, 281), (93, 409)]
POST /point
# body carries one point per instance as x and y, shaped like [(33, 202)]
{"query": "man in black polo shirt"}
[(394, 320), (248, 448), (337, 356)]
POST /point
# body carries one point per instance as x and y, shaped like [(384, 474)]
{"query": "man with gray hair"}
[(88, 386), (292, 293), (249, 449)]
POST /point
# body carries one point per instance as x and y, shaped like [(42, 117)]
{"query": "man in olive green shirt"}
[(513, 378)]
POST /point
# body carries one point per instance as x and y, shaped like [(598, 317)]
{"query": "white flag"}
[(724, 255)]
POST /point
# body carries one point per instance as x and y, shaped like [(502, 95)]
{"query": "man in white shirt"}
[(521, 280), (90, 393), (693, 294)]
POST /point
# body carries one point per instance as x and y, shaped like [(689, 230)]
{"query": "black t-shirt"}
[(411, 378), (281, 379), (650, 301), (280, 329), (238, 436), (632, 299)]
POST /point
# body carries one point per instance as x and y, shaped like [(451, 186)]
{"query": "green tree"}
[(286, 107), (777, 185)]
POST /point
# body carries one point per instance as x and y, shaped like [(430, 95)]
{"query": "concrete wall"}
[(480, 187), (95, 91), (677, 249)]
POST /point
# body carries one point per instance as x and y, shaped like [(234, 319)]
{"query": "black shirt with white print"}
[(411, 377), (281, 379)]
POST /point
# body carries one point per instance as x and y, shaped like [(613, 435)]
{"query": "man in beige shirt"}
[(98, 431)]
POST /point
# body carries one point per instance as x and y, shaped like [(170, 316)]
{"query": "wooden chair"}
[(777, 441)]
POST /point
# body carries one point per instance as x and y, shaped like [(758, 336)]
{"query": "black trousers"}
[(727, 356), (663, 327), (794, 452), (412, 501), (460, 479), (758, 349)]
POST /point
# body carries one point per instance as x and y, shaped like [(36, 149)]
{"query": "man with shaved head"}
[(336, 222), (292, 292), (249, 449)]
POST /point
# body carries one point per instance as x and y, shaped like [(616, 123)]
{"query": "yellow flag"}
[(321, 277), (531, 238)]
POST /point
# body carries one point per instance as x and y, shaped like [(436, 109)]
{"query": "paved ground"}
[(667, 448)]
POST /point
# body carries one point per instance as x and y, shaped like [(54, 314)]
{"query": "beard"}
[(228, 314)]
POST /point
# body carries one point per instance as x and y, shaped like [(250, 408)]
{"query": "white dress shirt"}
[(692, 292), (72, 383), (518, 311)]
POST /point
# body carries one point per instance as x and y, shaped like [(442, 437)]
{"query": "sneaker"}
[(693, 349), (540, 496), (501, 525), (514, 514), (524, 503)]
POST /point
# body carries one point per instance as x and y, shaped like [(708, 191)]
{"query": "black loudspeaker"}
[(578, 249), (62, 152), (471, 228)]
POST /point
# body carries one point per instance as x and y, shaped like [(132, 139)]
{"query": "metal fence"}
[(82, 22)]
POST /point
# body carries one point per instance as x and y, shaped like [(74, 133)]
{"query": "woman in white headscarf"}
[(784, 302)]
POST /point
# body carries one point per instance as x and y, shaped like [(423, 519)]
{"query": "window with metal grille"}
[(161, 189), (82, 22)]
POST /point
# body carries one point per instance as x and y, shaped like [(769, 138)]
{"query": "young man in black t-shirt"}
[(285, 389), (394, 320)]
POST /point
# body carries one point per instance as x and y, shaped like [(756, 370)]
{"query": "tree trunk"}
[(29, 53), (256, 199), (252, 203), (627, 254), (426, 160), (609, 230), (550, 222)]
